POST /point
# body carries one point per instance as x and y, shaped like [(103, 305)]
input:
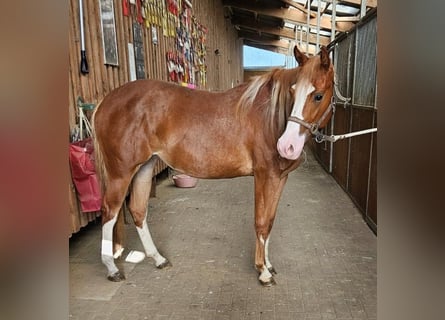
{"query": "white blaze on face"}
[(291, 143)]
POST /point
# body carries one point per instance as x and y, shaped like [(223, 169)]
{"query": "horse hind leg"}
[(138, 206), (119, 234), (112, 202)]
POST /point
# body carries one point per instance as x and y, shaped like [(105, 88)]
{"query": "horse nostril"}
[(290, 149)]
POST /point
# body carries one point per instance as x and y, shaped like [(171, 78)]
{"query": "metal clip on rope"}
[(319, 137)]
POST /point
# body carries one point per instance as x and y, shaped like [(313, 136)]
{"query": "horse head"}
[(312, 94)]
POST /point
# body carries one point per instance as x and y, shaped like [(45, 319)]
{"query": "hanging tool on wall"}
[(83, 55)]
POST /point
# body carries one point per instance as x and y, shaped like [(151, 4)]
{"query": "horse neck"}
[(267, 99)]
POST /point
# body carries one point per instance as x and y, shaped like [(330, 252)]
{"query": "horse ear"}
[(324, 58), (299, 56)]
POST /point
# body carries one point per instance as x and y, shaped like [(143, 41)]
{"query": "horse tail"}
[(98, 155), (101, 171)]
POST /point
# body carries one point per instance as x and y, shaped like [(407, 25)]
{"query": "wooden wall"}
[(223, 57), (224, 70)]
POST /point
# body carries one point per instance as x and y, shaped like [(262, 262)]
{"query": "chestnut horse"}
[(258, 128)]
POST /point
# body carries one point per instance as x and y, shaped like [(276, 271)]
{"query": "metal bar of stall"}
[(369, 169), (363, 8), (350, 87), (333, 16), (318, 27), (307, 24)]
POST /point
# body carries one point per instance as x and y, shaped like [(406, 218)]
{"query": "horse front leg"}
[(268, 190)]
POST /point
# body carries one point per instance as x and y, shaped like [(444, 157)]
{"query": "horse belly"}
[(205, 163)]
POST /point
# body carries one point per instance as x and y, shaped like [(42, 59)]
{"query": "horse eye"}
[(318, 97)]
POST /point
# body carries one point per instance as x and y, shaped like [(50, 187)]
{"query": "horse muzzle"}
[(291, 143)]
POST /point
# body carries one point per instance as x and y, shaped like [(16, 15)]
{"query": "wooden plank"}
[(371, 210), (121, 39), (89, 89), (93, 33), (369, 3), (284, 44), (281, 32), (359, 157), (349, 18), (281, 47), (299, 7), (291, 15), (265, 47), (74, 86), (341, 147)]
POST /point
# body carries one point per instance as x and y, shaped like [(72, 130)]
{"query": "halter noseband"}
[(313, 127)]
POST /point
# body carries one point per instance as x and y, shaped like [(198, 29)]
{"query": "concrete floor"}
[(324, 253)]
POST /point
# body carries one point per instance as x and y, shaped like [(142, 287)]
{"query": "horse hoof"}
[(164, 265), (116, 277), (269, 283), (272, 270)]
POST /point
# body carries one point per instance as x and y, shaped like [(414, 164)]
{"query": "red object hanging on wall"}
[(126, 7), (84, 175), (139, 11)]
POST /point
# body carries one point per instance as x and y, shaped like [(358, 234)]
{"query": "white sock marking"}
[(265, 275), (107, 246), (107, 237), (266, 250), (149, 246)]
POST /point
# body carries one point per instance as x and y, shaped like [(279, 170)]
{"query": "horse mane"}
[(270, 94)]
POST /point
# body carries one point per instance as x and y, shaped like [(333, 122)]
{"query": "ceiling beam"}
[(349, 18), (287, 33), (299, 7), (281, 50), (369, 3), (290, 14), (282, 45), (247, 42), (270, 42)]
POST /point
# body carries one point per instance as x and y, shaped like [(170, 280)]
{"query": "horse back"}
[(195, 131)]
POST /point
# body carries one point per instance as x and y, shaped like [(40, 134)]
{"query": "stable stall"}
[(325, 254), (198, 44), (352, 162)]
